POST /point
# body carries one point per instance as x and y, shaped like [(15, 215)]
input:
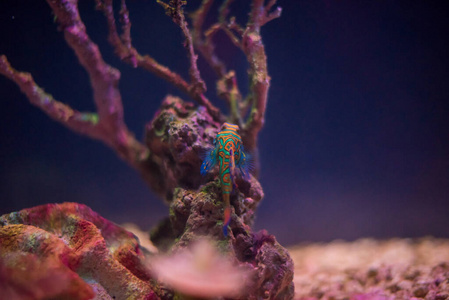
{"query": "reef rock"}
[(178, 136), (194, 214), (67, 251)]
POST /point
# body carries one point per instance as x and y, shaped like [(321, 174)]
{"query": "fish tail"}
[(227, 214), (227, 220)]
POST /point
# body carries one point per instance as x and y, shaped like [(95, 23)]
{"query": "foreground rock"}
[(67, 251)]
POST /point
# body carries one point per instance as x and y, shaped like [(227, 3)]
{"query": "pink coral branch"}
[(228, 30), (249, 41), (104, 80), (205, 46), (103, 77), (231, 27), (258, 73), (83, 123), (227, 82), (124, 49), (107, 124), (203, 41), (227, 88), (175, 11), (122, 44), (271, 15), (224, 11)]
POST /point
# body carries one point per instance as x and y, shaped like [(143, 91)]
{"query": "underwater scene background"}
[(355, 142)]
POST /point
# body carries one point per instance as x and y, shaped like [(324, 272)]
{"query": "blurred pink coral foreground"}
[(201, 271)]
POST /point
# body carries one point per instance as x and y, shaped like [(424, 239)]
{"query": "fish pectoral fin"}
[(208, 162)]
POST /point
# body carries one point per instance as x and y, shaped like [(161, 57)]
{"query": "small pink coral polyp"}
[(200, 272)]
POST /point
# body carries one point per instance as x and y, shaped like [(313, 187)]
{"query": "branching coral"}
[(107, 124), (169, 157)]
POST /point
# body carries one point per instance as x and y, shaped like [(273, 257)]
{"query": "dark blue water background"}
[(356, 136)]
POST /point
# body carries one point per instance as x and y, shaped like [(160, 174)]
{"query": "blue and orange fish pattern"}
[(229, 154)]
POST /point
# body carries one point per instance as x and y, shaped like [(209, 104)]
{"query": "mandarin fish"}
[(229, 154)]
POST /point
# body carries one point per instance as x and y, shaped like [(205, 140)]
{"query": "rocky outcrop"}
[(93, 257), (179, 135)]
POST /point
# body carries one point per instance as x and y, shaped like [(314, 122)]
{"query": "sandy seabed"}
[(372, 269)]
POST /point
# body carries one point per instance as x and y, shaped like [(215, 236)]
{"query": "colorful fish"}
[(229, 154)]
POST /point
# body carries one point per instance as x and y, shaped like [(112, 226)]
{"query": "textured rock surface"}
[(196, 214), (67, 251), (177, 137), (370, 269)]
